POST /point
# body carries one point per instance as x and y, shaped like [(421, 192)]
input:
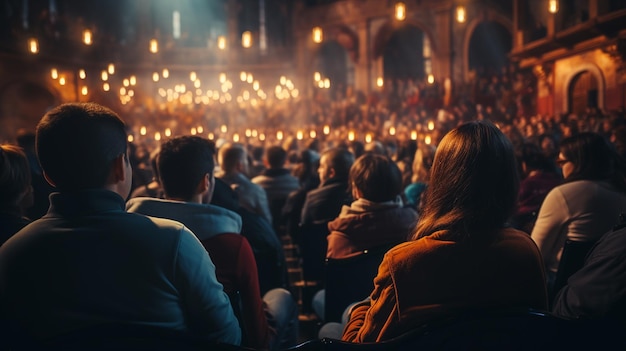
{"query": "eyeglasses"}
[(561, 161)]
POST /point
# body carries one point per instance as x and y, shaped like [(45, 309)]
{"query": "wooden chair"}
[(349, 280)]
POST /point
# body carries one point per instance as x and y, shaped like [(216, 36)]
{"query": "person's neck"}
[(196, 199)]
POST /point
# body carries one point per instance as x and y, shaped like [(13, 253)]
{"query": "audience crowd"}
[(187, 232)]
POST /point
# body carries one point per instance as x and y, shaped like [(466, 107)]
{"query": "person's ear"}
[(204, 184), (119, 169), (331, 173)]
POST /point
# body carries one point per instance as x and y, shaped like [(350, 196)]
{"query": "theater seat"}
[(349, 280), (509, 329)]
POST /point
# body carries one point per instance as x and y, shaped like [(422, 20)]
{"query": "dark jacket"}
[(324, 203)]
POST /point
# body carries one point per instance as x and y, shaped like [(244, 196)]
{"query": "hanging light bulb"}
[(460, 14), (400, 11), (318, 35), (154, 46)]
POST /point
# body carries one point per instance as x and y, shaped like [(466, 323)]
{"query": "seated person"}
[(377, 217), (462, 256), (233, 160), (185, 167), (589, 202), (598, 290), (16, 192), (88, 262)]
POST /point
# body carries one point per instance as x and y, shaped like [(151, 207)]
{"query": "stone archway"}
[(587, 78), (407, 51), (488, 47), (493, 18)]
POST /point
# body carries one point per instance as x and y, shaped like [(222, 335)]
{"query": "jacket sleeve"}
[(206, 304), (368, 323), (550, 226), (253, 313), (597, 289)]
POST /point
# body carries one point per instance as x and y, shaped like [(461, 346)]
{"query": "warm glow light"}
[(106, 87), (279, 135), (413, 135), (133, 80), (126, 82), (250, 78), (87, 37), (104, 75), (155, 76), (111, 68), (143, 130), (166, 73), (224, 129), (317, 76), (427, 140), (130, 138), (61, 80), (154, 46), (193, 76), (300, 135), (380, 82), (431, 125), (326, 130), (157, 136), (392, 131), (54, 73), (431, 79), (243, 76), (131, 93), (221, 42), (351, 135), (122, 91), (222, 77), (211, 136), (84, 91), (33, 45), (460, 14), (318, 35), (194, 131), (283, 80), (326, 83), (168, 132), (368, 138), (313, 134), (236, 137), (553, 6), (82, 74), (200, 129), (400, 11), (262, 137), (246, 39), (255, 85)]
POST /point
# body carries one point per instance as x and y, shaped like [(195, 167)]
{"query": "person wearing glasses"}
[(589, 202)]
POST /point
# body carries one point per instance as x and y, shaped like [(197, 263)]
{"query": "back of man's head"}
[(230, 157), (182, 163), (340, 159), (276, 156), (77, 144)]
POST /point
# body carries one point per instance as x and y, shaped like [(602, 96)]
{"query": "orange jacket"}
[(434, 278)]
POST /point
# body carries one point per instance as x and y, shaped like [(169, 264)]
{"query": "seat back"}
[(349, 280), (313, 245), (506, 329), (572, 259)]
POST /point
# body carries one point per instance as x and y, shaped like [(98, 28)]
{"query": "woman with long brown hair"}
[(463, 256)]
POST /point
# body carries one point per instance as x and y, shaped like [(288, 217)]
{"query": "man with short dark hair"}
[(233, 160), (88, 262), (277, 182), (185, 167)]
